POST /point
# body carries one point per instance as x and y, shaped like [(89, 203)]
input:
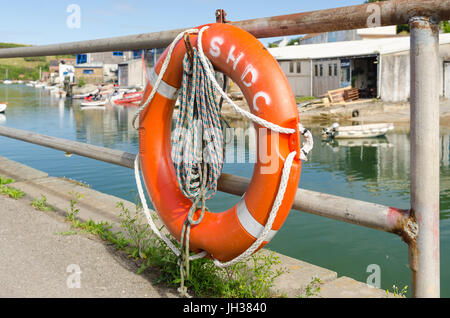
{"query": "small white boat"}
[(358, 131), (39, 85), (3, 107), (81, 96), (115, 96), (92, 107), (51, 88), (127, 90), (7, 82), (94, 103)]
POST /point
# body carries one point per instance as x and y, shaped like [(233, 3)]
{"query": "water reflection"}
[(382, 163), (362, 142), (110, 126)]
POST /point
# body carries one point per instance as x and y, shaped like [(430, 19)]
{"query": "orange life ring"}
[(247, 62)]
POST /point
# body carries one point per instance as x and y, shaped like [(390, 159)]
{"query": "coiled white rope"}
[(147, 213), (140, 189)]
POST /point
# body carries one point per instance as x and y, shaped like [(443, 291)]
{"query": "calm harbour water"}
[(371, 170)]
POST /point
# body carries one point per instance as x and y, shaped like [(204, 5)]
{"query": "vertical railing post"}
[(424, 252)]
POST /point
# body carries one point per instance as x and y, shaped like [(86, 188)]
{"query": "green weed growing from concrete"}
[(41, 204), (312, 289), (4, 180), (398, 293), (250, 279), (138, 232), (8, 190), (73, 211), (101, 229)]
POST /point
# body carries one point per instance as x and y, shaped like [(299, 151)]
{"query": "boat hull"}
[(3, 108), (96, 103), (359, 131)]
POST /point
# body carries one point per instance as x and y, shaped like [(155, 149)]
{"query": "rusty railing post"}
[(424, 252), (221, 16)]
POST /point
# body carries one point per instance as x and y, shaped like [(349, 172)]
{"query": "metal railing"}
[(419, 226)]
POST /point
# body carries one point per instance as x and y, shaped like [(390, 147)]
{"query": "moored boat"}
[(129, 99), (3, 106), (115, 96), (129, 104), (92, 107), (94, 103), (126, 101), (51, 88), (358, 131), (133, 94), (82, 96)]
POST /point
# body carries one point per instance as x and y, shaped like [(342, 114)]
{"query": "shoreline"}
[(370, 111)]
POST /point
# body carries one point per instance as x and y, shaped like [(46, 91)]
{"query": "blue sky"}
[(44, 22)]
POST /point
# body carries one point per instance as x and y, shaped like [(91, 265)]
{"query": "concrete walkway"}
[(37, 260)]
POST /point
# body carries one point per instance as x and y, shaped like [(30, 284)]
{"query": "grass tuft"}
[(41, 204), (4, 180)]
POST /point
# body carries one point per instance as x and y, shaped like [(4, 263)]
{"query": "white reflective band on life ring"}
[(248, 222), (164, 89)]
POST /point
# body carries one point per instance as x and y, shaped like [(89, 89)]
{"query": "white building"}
[(131, 73), (66, 70), (377, 67)]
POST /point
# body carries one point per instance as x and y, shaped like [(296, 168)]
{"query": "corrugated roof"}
[(347, 48)]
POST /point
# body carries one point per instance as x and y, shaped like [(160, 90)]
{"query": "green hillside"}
[(22, 68), (4, 45)]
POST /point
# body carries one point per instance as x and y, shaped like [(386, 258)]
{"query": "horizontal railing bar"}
[(123, 43), (345, 18), (362, 213), (385, 13)]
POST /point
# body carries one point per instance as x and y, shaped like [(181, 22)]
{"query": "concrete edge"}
[(19, 171), (297, 275)]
